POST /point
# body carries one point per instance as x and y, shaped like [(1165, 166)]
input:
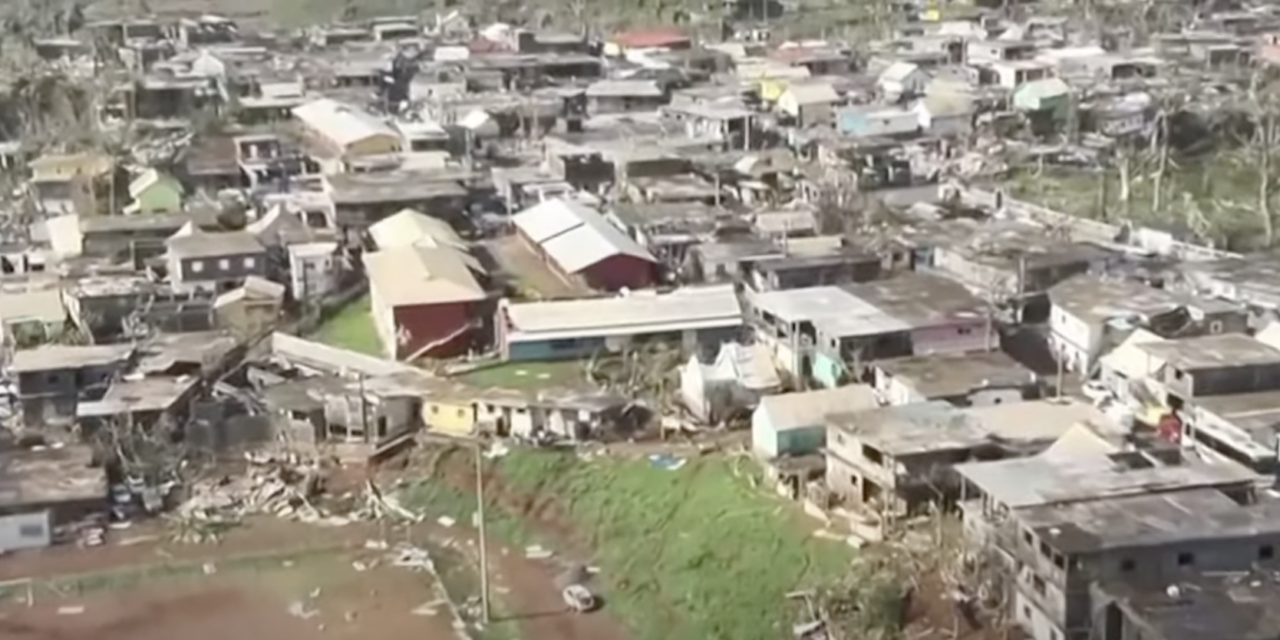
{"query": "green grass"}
[(692, 554), (526, 375), (351, 328), (436, 498)]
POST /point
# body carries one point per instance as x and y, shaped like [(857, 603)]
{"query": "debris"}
[(498, 450), (536, 552), (375, 545), (299, 609), (129, 542), (430, 608), (446, 521), (665, 461), (71, 610), (359, 566), (411, 557), (209, 568)]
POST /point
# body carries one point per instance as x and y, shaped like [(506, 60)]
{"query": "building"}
[(581, 246), (894, 460), (413, 228), (314, 269), (44, 489), (31, 316), (1070, 518), (425, 301), (1182, 370), (1231, 606), (734, 382), (1091, 314), (795, 424), (252, 309), (809, 103), (341, 132), (75, 183), (699, 319), (902, 80), (52, 378), (214, 261), (963, 380), (154, 192)]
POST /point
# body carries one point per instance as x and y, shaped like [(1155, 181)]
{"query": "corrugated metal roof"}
[(342, 123), (574, 235), (802, 409), (415, 275), (633, 314), (409, 227)]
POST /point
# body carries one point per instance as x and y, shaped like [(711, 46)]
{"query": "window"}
[(1266, 552), (964, 331), (1127, 565), (248, 263), (31, 531), (1026, 613), (1215, 326), (1026, 537), (224, 264), (1038, 583), (462, 413), (563, 345), (197, 266), (1053, 635), (1186, 559), (435, 409)]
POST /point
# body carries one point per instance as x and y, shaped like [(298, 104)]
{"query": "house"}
[(580, 245), (424, 300), (163, 402), (620, 96), (32, 316), (154, 192), (845, 265), (214, 261), (1242, 427), (902, 80), (894, 460), (45, 488), (734, 381), (1091, 314), (1050, 96), (1190, 368), (795, 424), (361, 199), (697, 318), (876, 121), (75, 183), (314, 269), (252, 309), (111, 307), (52, 378), (341, 131), (946, 115), (1088, 515), (413, 228), (810, 103), (1197, 604), (963, 380)]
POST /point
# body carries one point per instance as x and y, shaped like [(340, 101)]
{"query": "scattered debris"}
[(71, 610), (536, 552), (665, 461)]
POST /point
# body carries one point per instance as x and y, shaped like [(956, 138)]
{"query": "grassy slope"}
[(694, 553), (351, 328)]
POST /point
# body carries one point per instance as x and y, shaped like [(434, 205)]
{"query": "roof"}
[(50, 475), (1158, 520), (394, 186), (1096, 299), (1212, 352), (575, 236), (813, 93), (935, 426), (946, 376), (1226, 604), (657, 37), (57, 356), (334, 360), (921, 299), (409, 227), (898, 71), (202, 244), (1040, 480), (343, 124), (809, 409), (41, 305), (412, 275), (624, 89), (638, 312), (832, 310), (146, 180), (158, 393)]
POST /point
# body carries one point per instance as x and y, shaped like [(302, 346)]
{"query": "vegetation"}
[(351, 327), (526, 375), (690, 553)]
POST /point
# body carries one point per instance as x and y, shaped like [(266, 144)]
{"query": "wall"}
[(374, 145), (960, 336), (428, 323), (1076, 339), (221, 269), (768, 442), (620, 271), (452, 417), (826, 369), (26, 530)]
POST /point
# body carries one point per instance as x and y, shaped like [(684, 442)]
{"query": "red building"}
[(425, 301), (582, 247)]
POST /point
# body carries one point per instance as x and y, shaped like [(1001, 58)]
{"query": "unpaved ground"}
[(524, 590), (249, 603)]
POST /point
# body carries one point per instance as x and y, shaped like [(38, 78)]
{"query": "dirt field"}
[(244, 603)]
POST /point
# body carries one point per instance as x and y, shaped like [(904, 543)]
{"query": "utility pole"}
[(484, 555)]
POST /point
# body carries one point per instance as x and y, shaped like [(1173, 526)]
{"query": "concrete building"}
[(218, 261), (40, 490), (795, 424)]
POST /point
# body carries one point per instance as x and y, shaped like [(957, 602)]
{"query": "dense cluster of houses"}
[(540, 196)]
